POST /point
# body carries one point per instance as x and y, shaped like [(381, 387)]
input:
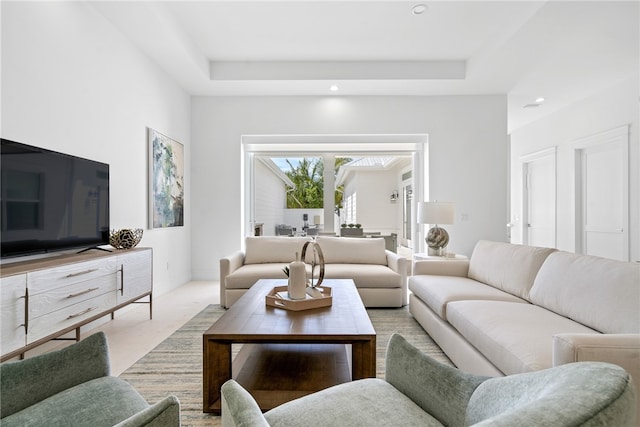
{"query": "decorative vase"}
[(297, 286)]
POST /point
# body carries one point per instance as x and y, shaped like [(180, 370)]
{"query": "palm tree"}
[(308, 181)]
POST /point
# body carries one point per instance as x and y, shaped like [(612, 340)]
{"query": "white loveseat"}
[(511, 309), (379, 275)]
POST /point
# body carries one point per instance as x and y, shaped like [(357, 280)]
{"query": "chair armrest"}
[(165, 413), (399, 264), (444, 267), (238, 407), (440, 390), (228, 265), (620, 349), (26, 382)]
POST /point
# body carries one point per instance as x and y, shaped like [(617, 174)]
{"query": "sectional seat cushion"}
[(364, 275), (263, 249), (511, 268), (346, 250), (515, 337), (103, 401), (438, 291), (581, 287)]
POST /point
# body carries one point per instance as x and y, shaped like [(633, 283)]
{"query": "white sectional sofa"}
[(380, 275), (512, 309)]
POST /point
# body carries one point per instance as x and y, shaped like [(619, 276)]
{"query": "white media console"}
[(43, 299)]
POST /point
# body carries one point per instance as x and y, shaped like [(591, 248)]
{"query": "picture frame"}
[(166, 181)]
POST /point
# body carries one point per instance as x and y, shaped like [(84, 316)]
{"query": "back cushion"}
[(263, 249), (506, 266), (352, 250), (600, 293)]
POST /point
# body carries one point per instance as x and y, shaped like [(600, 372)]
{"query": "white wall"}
[(375, 210), (72, 83), (467, 151), (606, 110)]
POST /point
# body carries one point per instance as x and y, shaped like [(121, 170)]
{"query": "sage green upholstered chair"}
[(419, 391), (72, 387)]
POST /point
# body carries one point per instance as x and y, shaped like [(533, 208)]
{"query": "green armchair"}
[(73, 387), (418, 390)]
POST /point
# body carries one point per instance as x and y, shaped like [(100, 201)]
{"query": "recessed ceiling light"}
[(419, 9), (540, 100), (333, 88)]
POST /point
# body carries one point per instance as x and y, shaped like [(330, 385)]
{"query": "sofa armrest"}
[(619, 349), (238, 407), (400, 265), (440, 390), (29, 381), (228, 265), (444, 267), (395, 262), (165, 413)]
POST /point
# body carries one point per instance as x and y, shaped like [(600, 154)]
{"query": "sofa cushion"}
[(371, 401), (364, 276), (349, 250), (601, 293), (247, 275), (438, 291), (100, 402), (506, 266), (265, 249), (514, 337)]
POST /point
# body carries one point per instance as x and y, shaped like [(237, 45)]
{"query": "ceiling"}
[(562, 51)]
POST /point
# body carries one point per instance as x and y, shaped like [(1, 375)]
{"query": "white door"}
[(540, 199), (603, 195)]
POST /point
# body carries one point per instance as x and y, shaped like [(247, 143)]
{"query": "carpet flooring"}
[(175, 365)]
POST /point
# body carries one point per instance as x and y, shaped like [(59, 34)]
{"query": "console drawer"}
[(61, 297), (68, 274), (12, 304), (50, 323)]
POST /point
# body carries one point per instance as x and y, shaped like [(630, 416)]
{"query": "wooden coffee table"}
[(288, 354)]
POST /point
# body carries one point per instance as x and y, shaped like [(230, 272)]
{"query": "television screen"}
[(51, 201)]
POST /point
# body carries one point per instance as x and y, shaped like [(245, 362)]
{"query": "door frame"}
[(343, 144), (525, 160)]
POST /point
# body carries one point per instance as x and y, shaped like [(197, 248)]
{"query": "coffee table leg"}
[(216, 370), (363, 359)]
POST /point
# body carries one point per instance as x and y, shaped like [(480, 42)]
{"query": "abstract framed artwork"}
[(166, 181)]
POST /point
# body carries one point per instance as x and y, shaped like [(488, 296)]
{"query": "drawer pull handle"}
[(81, 313), (82, 293), (80, 273), (26, 311)]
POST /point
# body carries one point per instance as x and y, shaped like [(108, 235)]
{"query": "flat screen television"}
[(51, 201)]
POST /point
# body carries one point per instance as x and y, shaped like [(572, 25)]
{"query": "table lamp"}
[(436, 213)]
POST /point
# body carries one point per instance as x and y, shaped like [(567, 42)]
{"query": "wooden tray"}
[(277, 297)]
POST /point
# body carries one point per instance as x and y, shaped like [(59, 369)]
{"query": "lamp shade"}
[(436, 212)]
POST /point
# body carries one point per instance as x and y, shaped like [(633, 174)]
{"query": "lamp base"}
[(437, 252), (437, 240)]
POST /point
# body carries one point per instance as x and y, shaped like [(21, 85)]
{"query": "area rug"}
[(175, 365)]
